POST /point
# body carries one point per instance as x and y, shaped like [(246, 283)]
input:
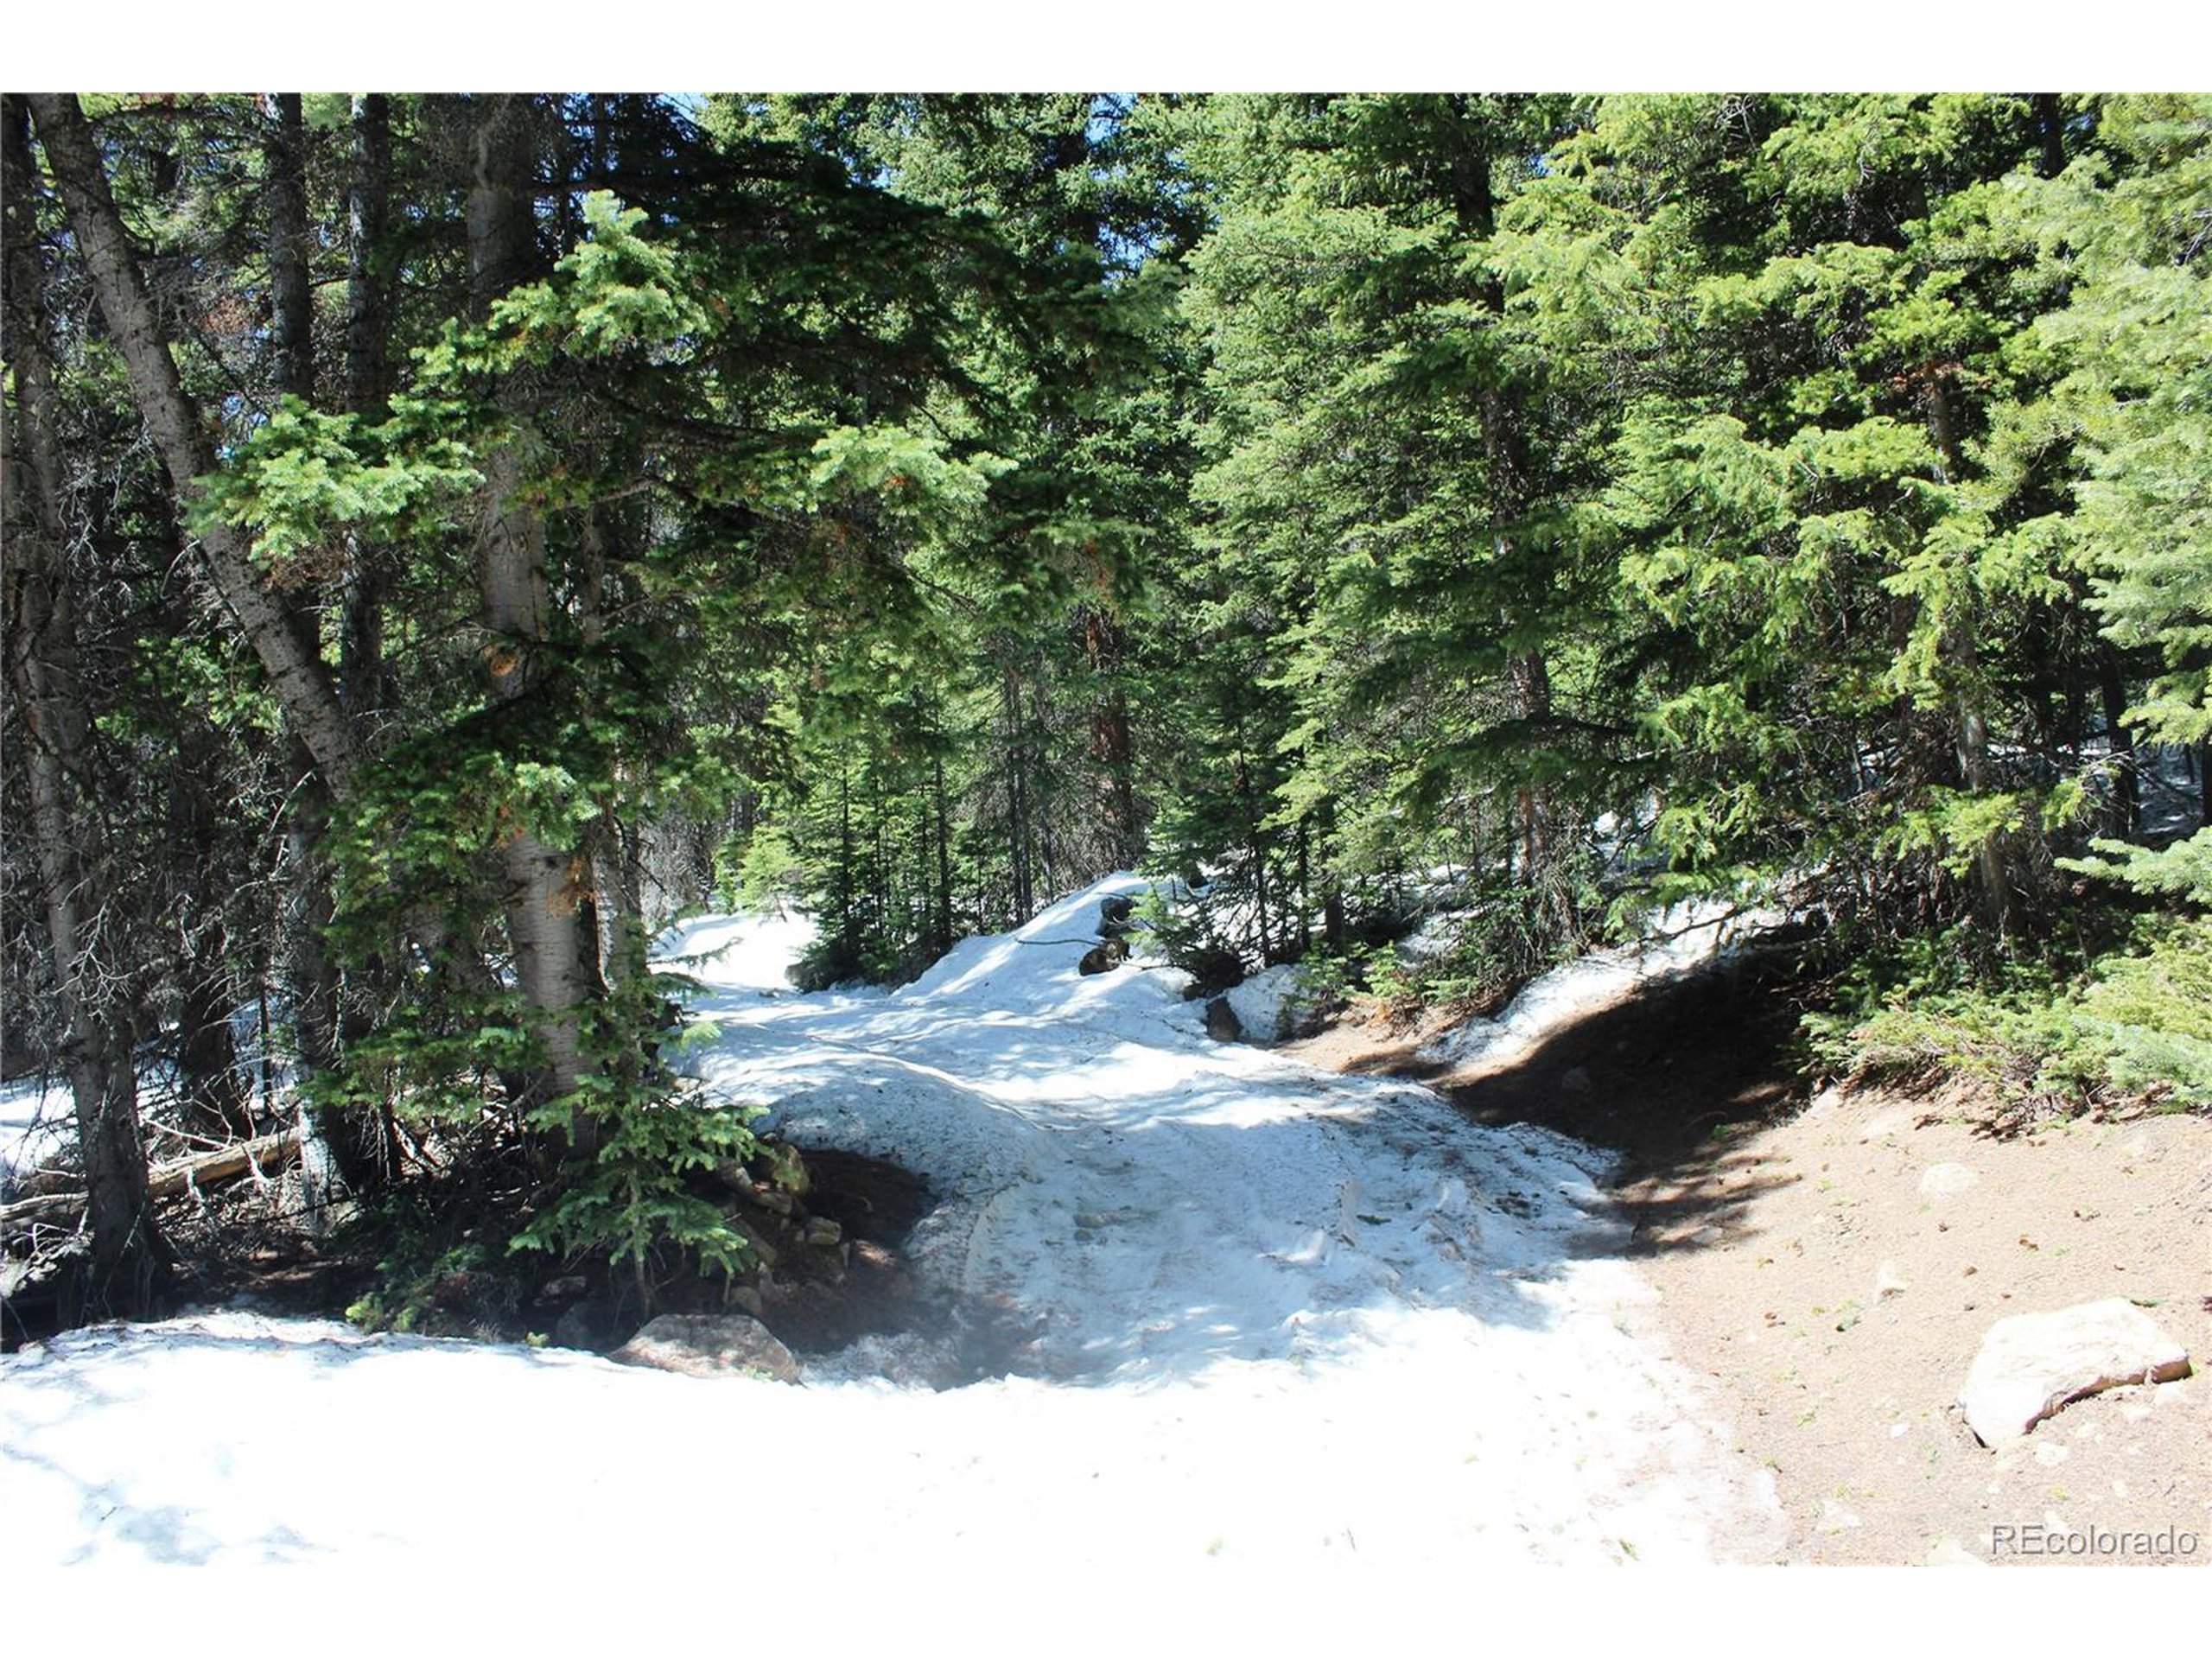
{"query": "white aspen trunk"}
[(548, 887)]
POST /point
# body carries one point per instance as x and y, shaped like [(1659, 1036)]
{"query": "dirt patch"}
[(1835, 1292), (1624, 1076)]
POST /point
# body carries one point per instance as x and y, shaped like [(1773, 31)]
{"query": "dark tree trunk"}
[(215, 1094), (359, 1143), (291, 293), (943, 856), (1111, 748), (1471, 153), (128, 1257), (2051, 131), (207, 1056), (2127, 787), (1971, 740), (360, 657), (1017, 794)]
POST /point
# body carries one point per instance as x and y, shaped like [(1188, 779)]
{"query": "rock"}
[(1222, 1023), (746, 1297), (1946, 1180), (708, 1345), (1273, 1004), (2032, 1363), (1575, 1080), (1890, 1282), (1886, 1125), (1949, 1552), (1213, 971), (565, 1288), (767, 1254), (1104, 957), (823, 1233), (768, 1198), (587, 1325), (1836, 1518), (787, 1169)]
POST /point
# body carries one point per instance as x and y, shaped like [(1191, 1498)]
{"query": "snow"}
[(1682, 938), (750, 953), (1221, 1304), (37, 1120), (1269, 1003), (38, 1115)]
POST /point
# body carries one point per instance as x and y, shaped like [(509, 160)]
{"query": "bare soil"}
[(1834, 1302)]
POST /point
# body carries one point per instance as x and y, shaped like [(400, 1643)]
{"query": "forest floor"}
[(1834, 1301)]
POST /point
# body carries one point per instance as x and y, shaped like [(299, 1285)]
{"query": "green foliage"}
[(614, 292), (1494, 939), (305, 479), (2130, 1023), (439, 1061), (1189, 928), (2150, 1010), (627, 1200), (2181, 869), (459, 1290), (932, 504)]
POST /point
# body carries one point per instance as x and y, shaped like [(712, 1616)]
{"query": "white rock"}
[(1890, 1282), (1946, 1180), (1271, 1002), (1949, 1552), (708, 1345), (2032, 1363)]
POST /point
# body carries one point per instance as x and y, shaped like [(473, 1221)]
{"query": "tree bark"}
[(264, 1156), (291, 294), (359, 1145), (128, 1256), (288, 654), (1971, 735), (1017, 797), (548, 888), (942, 814), (360, 651), (216, 1093), (2127, 788), (1111, 746)]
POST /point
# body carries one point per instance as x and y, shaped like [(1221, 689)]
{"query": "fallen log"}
[(265, 1155)]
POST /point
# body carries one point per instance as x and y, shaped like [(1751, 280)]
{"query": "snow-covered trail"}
[(1252, 1310), (1147, 1201)]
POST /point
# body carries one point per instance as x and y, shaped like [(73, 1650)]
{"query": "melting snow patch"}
[(1684, 937), (1270, 1003)]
